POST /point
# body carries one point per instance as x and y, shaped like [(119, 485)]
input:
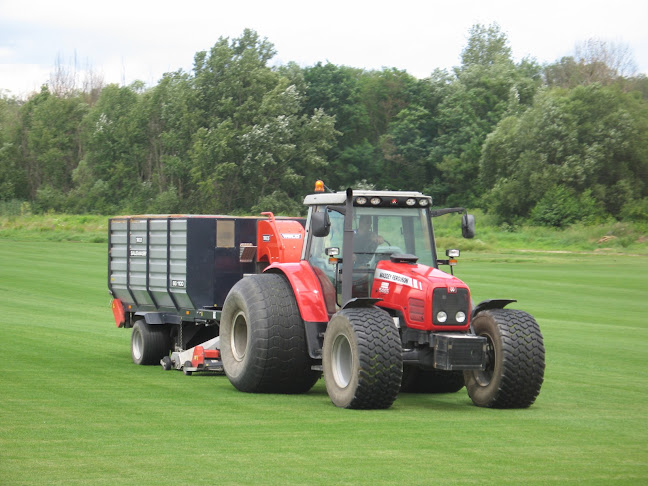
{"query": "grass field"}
[(75, 410)]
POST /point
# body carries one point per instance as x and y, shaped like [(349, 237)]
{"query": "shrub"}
[(560, 207), (49, 199), (636, 211), (278, 203)]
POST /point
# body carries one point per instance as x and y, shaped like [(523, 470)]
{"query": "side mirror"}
[(468, 226), (320, 223)]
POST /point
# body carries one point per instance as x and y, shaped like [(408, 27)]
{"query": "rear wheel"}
[(263, 339), (514, 362), (149, 344), (362, 359)]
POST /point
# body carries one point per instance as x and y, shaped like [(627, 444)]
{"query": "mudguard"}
[(491, 304), (306, 287), (360, 302)]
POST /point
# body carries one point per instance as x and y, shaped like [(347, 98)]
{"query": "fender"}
[(491, 304), (360, 302), (306, 287)]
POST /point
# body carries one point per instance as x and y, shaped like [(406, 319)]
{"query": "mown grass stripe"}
[(74, 410)]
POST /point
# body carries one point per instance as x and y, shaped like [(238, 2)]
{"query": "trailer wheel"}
[(149, 344), (362, 359), (515, 360), (185, 368), (417, 380), (166, 363), (263, 339)]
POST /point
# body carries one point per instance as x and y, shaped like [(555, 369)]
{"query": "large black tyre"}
[(362, 359), (515, 360), (263, 339), (149, 344), (417, 380)]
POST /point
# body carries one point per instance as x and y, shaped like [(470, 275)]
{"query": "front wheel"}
[(515, 360), (362, 359)]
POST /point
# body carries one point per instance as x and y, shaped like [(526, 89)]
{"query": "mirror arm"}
[(441, 212)]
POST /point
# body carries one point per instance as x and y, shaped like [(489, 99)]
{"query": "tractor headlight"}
[(411, 201), (460, 317), (375, 201), (361, 200), (442, 316)]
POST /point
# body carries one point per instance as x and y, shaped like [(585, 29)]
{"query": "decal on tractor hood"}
[(398, 278), (291, 236)]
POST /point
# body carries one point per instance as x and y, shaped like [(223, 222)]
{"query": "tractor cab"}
[(359, 232)]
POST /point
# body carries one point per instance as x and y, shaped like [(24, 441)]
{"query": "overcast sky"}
[(141, 39)]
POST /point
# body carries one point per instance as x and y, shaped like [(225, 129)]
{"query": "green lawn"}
[(75, 410)]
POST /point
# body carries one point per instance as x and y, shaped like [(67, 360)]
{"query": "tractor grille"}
[(450, 303)]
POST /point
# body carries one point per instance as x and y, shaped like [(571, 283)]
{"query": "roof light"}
[(423, 202), (411, 201), (361, 201), (319, 186), (375, 201)]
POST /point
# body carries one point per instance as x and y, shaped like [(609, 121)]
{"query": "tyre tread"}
[(281, 363), (156, 343), (523, 359), (380, 357)]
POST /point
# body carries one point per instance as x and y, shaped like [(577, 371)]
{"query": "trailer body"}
[(176, 270)]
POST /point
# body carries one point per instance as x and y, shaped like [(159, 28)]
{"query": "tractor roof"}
[(386, 197)]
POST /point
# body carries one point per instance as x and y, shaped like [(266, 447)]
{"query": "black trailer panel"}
[(177, 263)]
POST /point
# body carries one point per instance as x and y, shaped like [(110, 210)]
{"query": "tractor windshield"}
[(379, 232)]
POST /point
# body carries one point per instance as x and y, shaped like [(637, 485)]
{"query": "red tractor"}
[(356, 295)]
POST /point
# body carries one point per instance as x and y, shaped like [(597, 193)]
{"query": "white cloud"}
[(142, 39), (22, 79)]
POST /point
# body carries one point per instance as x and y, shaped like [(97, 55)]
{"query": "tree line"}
[(553, 144)]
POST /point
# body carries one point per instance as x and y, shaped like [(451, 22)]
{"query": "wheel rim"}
[(484, 377), (342, 361), (239, 338), (137, 345)]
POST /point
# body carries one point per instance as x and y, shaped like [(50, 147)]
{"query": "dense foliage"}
[(552, 144)]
